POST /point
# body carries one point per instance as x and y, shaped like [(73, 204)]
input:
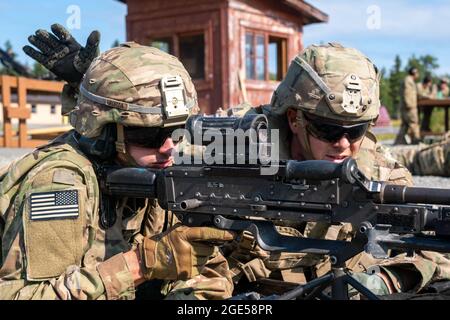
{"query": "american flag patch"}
[(54, 205)]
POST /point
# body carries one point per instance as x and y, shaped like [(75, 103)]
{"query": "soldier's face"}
[(336, 151), (151, 157)]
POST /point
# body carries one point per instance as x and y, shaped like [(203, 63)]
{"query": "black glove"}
[(62, 54)]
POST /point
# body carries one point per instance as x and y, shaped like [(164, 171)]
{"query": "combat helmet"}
[(133, 86), (332, 82)]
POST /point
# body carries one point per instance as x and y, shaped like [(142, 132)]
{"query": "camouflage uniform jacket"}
[(63, 257), (409, 94), (426, 92), (426, 159), (376, 163)]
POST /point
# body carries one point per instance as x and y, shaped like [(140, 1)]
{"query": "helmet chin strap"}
[(121, 148), (307, 153)]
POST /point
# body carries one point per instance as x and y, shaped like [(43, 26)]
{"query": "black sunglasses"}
[(150, 137), (330, 132)]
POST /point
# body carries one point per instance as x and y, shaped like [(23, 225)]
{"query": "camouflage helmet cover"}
[(124, 85), (330, 81)]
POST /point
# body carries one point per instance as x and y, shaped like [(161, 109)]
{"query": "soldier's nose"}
[(167, 146), (343, 142)]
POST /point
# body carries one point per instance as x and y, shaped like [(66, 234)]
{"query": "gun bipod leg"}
[(339, 288), (320, 282)]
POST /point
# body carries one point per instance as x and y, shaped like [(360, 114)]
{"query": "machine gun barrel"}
[(403, 194), (321, 170)]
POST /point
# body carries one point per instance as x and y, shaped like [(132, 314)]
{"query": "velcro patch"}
[(54, 205)]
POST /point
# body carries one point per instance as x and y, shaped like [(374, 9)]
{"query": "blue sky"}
[(20, 18), (404, 27)]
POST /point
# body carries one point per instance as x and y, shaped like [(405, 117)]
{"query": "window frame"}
[(267, 36), (207, 81)]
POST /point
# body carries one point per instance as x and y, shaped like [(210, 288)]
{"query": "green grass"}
[(385, 136), (437, 124), (438, 120)]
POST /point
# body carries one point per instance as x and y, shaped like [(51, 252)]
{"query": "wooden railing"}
[(22, 86)]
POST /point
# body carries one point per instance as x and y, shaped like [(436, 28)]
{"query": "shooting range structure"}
[(21, 86), (235, 50)]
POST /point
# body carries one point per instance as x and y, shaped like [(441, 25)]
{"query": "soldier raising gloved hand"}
[(62, 238)]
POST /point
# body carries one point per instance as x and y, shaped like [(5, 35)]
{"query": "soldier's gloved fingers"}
[(202, 250), (41, 45), (91, 50), (209, 234), (62, 33), (93, 41), (35, 55), (48, 38)]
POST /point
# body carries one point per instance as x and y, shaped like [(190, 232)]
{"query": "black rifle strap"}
[(166, 220), (108, 214)]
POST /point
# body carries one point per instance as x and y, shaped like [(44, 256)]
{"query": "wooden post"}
[(6, 102), (22, 113)]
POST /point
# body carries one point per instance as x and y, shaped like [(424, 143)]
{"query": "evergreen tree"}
[(395, 82), (9, 49), (385, 92), (39, 71), (116, 43)]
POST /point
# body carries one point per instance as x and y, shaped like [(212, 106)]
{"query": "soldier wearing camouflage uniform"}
[(426, 159), (323, 110), (408, 110), (61, 238), (443, 91), (426, 90)]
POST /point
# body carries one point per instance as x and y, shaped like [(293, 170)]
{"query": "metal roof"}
[(310, 13)]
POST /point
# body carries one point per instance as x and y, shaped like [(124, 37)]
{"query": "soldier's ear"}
[(292, 120)]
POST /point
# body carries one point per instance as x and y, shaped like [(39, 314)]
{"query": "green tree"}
[(9, 49), (426, 64), (385, 92), (394, 83), (116, 43), (39, 71)]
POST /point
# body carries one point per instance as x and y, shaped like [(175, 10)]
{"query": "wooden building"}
[(235, 50)]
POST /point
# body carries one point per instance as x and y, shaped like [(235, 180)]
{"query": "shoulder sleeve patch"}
[(54, 224), (64, 177), (54, 205)]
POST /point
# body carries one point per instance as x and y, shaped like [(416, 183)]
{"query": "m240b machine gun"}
[(237, 197)]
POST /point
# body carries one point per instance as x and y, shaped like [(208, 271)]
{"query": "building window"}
[(277, 58), (192, 54), (33, 108), (261, 48), (254, 56), (190, 49), (53, 109), (163, 44)]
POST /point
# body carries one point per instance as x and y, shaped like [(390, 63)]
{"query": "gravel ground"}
[(9, 154)]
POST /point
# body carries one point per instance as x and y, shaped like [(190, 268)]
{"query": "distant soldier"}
[(426, 90), (443, 90), (408, 109), (424, 159)]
